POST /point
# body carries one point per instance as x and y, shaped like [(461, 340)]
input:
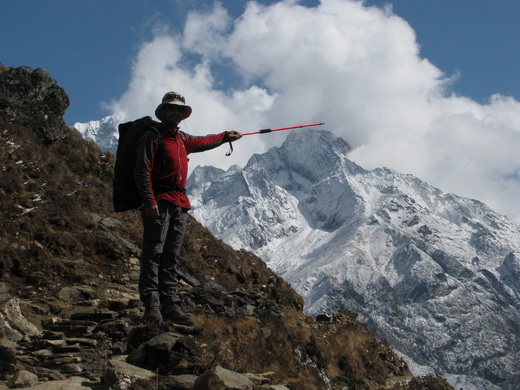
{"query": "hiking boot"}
[(177, 316), (152, 314)]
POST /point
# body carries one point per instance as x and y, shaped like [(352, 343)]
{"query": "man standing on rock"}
[(161, 173)]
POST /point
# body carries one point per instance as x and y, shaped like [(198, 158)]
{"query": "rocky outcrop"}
[(32, 98)]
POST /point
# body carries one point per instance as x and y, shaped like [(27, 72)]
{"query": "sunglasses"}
[(173, 96)]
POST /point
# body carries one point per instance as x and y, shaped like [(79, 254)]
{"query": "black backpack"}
[(125, 195)]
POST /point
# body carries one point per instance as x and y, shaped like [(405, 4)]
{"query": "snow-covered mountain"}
[(435, 274), (103, 132)]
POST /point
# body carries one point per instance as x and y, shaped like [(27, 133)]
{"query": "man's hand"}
[(151, 211), (232, 136)]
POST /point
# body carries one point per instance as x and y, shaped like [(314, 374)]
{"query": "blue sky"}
[(89, 46), (478, 38), (425, 87)]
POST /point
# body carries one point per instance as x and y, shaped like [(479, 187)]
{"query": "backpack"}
[(125, 195)]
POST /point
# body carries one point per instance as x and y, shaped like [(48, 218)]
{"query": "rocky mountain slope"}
[(69, 312), (435, 274)]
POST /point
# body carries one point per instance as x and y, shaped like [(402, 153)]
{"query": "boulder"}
[(219, 378), (76, 294), (122, 375), (23, 379), (32, 98), (13, 323), (156, 352), (180, 382)]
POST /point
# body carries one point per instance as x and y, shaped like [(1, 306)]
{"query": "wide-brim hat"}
[(176, 99)]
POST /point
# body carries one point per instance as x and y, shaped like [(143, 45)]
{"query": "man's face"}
[(172, 114)]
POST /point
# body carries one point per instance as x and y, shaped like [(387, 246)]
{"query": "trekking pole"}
[(281, 128)]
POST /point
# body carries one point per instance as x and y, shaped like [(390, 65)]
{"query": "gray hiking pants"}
[(162, 240)]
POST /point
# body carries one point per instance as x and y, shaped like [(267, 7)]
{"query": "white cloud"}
[(356, 68), (203, 32)]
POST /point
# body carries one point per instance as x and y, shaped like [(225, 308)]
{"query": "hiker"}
[(160, 174)]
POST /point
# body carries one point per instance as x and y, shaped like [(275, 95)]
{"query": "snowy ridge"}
[(103, 132), (435, 274)]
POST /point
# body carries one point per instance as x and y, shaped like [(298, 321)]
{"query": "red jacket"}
[(159, 169)]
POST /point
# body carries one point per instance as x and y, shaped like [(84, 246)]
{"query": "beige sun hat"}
[(173, 98)]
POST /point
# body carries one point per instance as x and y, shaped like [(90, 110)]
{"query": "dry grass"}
[(49, 197)]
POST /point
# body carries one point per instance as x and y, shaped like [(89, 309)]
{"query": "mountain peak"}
[(315, 143), (404, 255), (308, 154)]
